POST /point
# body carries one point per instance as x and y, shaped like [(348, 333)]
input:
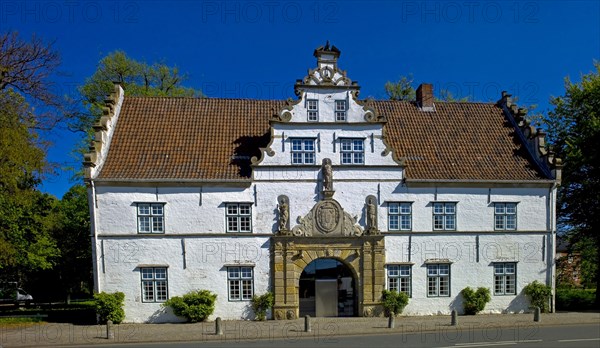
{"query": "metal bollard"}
[(109, 330), (392, 321), (218, 327), (453, 319), (536, 314), (307, 326)]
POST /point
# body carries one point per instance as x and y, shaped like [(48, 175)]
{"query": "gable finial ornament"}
[(327, 173)]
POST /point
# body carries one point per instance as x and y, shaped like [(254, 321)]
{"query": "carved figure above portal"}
[(284, 214), (327, 173), (371, 209)]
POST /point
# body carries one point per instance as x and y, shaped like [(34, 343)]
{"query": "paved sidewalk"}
[(51, 334)]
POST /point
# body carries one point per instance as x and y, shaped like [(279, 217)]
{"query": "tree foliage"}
[(401, 90), (574, 132), (137, 79), (25, 240), (72, 235), (404, 90)]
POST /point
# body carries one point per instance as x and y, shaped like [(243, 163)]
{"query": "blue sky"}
[(257, 49)]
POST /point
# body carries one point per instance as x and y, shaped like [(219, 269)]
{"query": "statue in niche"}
[(284, 214), (371, 209), (327, 175)]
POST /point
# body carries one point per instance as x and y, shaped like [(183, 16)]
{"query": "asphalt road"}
[(577, 336)]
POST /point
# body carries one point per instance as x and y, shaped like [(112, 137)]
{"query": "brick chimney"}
[(425, 97)]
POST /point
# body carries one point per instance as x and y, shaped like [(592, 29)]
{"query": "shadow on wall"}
[(164, 315), (248, 313), (457, 304), (520, 304)]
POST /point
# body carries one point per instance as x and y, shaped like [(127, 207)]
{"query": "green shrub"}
[(575, 299), (260, 305), (110, 306), (195, 306), (539, 295), (393, 302), (475, 301)]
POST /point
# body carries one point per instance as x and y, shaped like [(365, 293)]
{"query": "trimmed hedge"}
[(109, 306), (575, 299), (195, 306)]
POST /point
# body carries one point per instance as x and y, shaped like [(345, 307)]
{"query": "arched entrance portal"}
[(327, 289)]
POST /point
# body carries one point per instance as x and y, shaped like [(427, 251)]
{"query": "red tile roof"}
[(214, 139)]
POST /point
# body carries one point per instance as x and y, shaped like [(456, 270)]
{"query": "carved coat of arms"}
[(328, 216)]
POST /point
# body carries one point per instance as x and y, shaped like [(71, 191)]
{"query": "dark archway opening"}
[(327, 289)]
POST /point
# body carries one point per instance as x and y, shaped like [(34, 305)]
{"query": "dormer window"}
[(340, 110), (312, 107)]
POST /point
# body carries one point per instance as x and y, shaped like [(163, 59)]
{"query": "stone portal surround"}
[(364, 255)]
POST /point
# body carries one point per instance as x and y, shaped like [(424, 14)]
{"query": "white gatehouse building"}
[(325, 201)]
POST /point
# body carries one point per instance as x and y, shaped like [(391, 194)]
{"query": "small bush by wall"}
[(109, 306), (539, 295), (195, 306), (262, 303), (475, 301), (393, 302)]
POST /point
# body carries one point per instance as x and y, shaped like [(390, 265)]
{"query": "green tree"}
[(402, 89), (72, 235), (137, 79), (25, 241), (574, 131)]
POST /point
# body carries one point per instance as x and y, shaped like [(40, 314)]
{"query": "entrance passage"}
[(327, 289)]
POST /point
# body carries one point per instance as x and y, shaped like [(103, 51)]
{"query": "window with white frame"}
[(154, 284), (303, 151), (312, 107), (151, 217), (438, 280), (241, 283), (340, 110), (505, 278), (352, 151), (399, 278), (239, 217), (505, 216), (444, 216), (400, 216)]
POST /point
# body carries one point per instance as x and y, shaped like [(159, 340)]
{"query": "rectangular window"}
[(352, 151), (241, 283), (340, 110), (505, 216), (239, 217), (444, 216), (399, 278), (400, 216), (151, 217), (438, 280), (303, 151), (312, 107), (154, 284), (505, 276)]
